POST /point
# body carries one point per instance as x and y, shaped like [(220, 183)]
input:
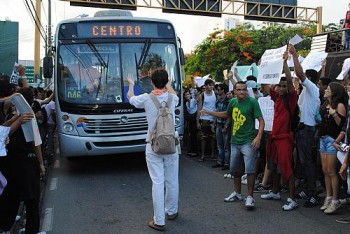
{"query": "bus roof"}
[(113, 18)]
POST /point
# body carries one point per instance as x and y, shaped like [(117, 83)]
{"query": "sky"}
[(191, 29)]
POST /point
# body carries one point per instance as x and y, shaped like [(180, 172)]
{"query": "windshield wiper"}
[(144, 53), (96, 53), (102, 62)]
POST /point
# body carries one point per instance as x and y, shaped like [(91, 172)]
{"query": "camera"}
[(344, 147)]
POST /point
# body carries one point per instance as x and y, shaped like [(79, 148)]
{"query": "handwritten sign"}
[(15, 75), (271, 66), (267, 109), (314, 60)]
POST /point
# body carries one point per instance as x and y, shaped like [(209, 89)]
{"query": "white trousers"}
[(164, 173)]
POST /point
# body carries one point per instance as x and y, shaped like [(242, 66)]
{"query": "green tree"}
[(246, 44)]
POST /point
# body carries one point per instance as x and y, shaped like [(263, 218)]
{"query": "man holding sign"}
[(280, 144), (309, 103)]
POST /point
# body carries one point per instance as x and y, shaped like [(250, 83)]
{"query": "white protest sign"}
[(234, 65), (15, 75), (252, 71), (345, 69), (314, 60), (271, 66), (267, 109), (295, 40), (200, 81)]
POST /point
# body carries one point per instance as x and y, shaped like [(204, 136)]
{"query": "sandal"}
[(157, 227)]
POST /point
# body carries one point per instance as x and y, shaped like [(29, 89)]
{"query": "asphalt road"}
[(113, 195)]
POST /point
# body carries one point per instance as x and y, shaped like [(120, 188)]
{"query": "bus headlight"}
[(68, 127), (177, 121)]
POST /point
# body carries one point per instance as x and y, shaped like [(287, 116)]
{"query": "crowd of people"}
[(25, 162), (305, 152)]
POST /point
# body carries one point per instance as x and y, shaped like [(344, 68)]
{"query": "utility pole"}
[(49, 39), (37, 40)]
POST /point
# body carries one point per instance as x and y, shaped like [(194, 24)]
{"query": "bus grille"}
[(125, 125)]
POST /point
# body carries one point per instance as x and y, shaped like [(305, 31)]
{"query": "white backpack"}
[(163, 137)]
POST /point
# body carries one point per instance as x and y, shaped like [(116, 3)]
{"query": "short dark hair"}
[(208, 81), (252, 78), (283, 78), (312, 75), (159, 78), (223, 87), (240, 82)]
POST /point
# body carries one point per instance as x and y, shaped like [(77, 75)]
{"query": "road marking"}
[(57, 164), (48, 219), (53, 184)]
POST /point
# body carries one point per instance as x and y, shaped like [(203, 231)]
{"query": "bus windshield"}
[(96, 73)]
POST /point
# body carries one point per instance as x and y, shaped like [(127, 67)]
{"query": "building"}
[(8, 46)]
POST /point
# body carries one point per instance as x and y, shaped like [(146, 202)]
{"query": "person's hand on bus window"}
[(130, 79)]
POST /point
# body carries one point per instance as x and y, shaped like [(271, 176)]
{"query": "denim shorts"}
[(242, 156), (326, 145)]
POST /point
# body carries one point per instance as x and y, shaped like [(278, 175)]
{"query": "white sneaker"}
[(249, 202), (233, 197), (271, 196), (291, 205)]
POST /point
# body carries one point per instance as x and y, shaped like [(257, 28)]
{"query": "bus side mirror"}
[(182, 56), (47, 67)]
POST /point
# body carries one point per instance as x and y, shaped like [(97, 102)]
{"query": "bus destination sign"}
[(124, 30)]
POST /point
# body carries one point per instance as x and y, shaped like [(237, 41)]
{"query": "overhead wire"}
[(36, 15), (35, 21)]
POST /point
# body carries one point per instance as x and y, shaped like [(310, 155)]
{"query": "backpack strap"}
[(286, 104), (169, 101), (157, 103), (155, 100)]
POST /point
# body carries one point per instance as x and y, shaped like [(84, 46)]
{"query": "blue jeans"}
[(240, 154), (347, 40), (223, 144), (326, 145)]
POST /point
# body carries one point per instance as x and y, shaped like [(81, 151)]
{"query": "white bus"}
[(92, 59)]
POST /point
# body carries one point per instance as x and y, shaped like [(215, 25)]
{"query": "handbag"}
[(3, 183)]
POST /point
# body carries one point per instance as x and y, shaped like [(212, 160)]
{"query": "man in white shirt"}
[(309, 104), (162, 168)]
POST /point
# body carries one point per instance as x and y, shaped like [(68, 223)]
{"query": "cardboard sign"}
[(295, 40), (314, 60), (271, 66), (267, 109)]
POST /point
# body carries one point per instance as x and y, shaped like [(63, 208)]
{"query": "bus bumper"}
[(75, 146)]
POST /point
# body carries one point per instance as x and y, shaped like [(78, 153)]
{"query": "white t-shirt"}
[(208, 104), (144, 101), (309, 102), (49, 107)]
